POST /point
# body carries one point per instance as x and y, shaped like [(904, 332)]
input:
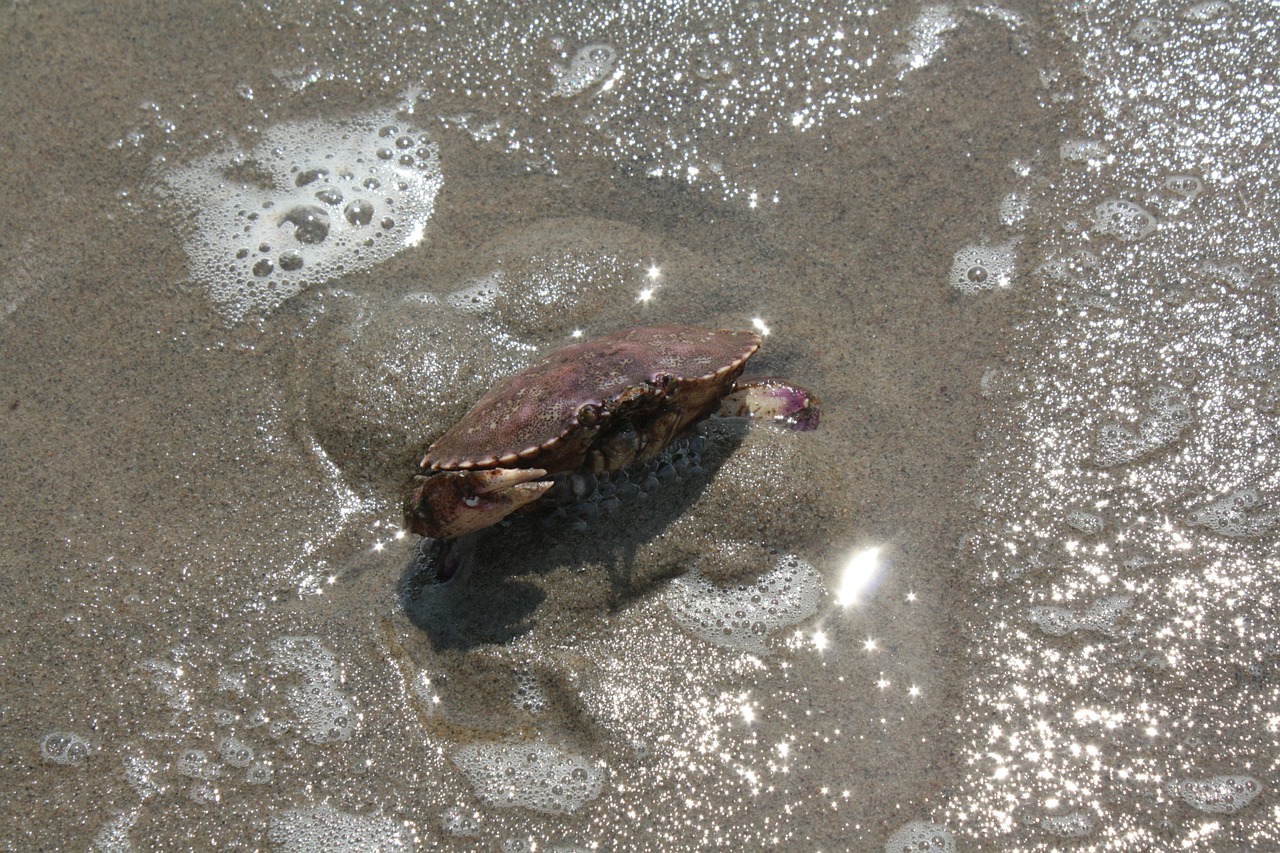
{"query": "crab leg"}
[(769, 396)]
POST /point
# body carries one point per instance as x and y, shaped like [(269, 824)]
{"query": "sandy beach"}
[(1017, 592)]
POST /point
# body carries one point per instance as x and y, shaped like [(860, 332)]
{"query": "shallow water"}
[(1016, 593)]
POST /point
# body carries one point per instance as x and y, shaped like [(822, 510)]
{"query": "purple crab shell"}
[(530, 419)]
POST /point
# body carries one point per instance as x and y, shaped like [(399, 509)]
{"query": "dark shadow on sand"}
[(492, 596)]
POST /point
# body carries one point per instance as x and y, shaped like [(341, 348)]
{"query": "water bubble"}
[(66, 748), (329, 195), (457, 821), (1170, 414), (311, 224), (983, 266), (1187, 186), (1071, 825), (359, 212), (1084, 151), (196, 764), (235, 752), (258, 773)]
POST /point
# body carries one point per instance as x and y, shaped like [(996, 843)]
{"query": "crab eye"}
[(472, 501)]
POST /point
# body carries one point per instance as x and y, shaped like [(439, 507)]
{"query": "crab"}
[(593, 407)]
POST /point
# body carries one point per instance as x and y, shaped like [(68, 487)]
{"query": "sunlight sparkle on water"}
[(860, 570)]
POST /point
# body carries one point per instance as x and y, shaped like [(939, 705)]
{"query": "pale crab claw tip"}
[(496, 479)]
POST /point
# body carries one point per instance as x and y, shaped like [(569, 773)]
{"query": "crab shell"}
[(593, 406)]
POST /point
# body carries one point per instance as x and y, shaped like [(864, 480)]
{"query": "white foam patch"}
[(534, 775), (311, 201), (1084, 151), (919, 836), (67, 748), (927, 31), (1086, 522), (1237, 515), (1127, 221), (113, 837), (983, 266), (324, 711), (1101, 616), (143, 775), (1071, 825), (591, 64), (743, 616), (1170, 415), (321, 828), (1217, 794)]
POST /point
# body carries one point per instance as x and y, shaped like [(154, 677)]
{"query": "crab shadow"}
[(491, 587)]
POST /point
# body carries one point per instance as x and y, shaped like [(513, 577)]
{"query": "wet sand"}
[(189, 492)]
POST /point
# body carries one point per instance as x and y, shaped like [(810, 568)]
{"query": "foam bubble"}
[(919, 836), (1101, 616), (1127, 221), (1087, 523), (142, 774), (113, 836), (326, 828), (311, 201), (235, 752), (67, 748), (1187, 186), (1071, 825), (742, 617), (533, 775), (197, 764), (1208, 11), (1217, 794), (529, 694), (1236, 515), (1149, 31), (591, 64), (983, 266), (325, 712), (258, 773), (1084, 151), (927, 31), (1231, 273), (1014, 208), (460, 822)]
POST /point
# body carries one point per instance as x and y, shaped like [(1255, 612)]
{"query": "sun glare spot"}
[(860, 570)]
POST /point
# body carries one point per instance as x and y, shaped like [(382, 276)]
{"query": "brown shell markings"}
[(531, 410)]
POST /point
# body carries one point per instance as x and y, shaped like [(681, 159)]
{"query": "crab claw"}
[(450, 503), (788, 404)]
